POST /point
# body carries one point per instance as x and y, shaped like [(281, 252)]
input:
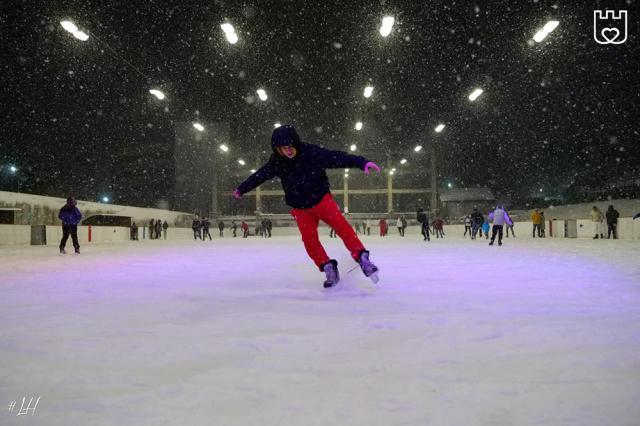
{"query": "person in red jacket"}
[(383, 227), (301, 169)]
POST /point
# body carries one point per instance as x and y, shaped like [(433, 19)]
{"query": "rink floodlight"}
[(13, 169), (69, 26), (346, 175), (158, 94), (550, 26), (229, 32), (198, 127), (252, 170), (449, 185), (105, 199), (262, 94), (387, 26), (417, 148), (81, 36), (353, 147), (346, 170), (368, 91), (232, 38), (359, 125), (403, 161), (439, 128), (391, 172), (276, 125), (241, 162), (475, 94), (545, 31), (224, 148)]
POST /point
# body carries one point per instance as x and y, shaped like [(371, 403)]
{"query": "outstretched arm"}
[(339, 159), (263, 174)]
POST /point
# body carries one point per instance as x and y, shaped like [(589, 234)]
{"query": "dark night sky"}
[(77, 118)]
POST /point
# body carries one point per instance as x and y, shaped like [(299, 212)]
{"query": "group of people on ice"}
[(611, 216)]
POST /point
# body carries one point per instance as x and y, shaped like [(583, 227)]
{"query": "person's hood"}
[(283, 136)]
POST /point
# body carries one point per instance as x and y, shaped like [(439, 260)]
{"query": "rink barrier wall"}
[(20, 235), (15, 235), (43, 210)]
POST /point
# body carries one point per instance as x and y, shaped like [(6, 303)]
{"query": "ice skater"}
[(70, 217), (301, 169), (596, 219), (477, 220), (499, 217), (467, 226), (422, 219)]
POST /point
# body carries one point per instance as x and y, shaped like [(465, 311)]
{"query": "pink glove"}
[(371, 165), (237, 194)]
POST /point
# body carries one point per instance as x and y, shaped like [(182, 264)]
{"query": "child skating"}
[(301, 169)]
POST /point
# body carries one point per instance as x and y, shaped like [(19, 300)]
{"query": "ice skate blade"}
[(374, 277)]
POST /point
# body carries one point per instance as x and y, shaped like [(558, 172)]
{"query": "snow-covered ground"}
[(240, 332)]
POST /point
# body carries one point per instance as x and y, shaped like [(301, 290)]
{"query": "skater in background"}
[(542, 233), (234, 228), (195, 226), (422, 219), (612, 222), (637, 216), (485, 228), (357, 227), (509, 227), (269, 225), (245, 229), (301, 169), (369, 225), (158, 229), (165, 226), (597, 218), (221, 228), (383, 227), (205, 223), (404, 224), (152, 228), (399, 226), (467, 226), (134, 231), (536, 219), (499, 217), (477, 220), (438, 227), (332, 233), (70, 216)]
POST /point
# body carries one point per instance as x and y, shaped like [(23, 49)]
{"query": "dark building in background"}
[(199, 166)]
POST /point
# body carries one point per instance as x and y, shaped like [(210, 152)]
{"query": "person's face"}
[(288, 151)]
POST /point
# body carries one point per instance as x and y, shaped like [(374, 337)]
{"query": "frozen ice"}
[(241, 332)]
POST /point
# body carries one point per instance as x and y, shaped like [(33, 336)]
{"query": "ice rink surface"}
[(241, 332)]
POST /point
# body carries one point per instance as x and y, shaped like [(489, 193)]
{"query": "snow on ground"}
[(240, 332)]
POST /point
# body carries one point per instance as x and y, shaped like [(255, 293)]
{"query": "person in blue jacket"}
[(70, 217), (301, 169)]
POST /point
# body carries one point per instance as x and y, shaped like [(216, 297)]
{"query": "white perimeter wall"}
[(139, 214), (21, 234)]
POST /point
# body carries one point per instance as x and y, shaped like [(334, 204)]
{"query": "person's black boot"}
[(331, 271)]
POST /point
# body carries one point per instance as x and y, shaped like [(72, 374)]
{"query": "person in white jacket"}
[(499, 217), (399, 226), (597, 217)]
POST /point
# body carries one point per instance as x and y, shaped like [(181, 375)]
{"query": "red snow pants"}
[(327, 210)]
